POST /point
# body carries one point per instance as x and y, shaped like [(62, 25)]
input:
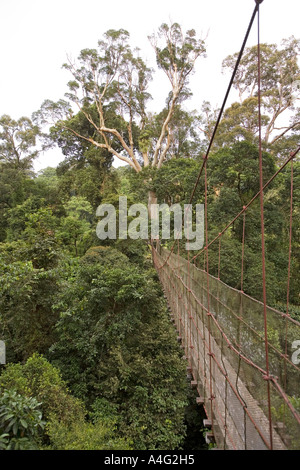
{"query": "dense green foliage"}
[(35, 390), (21, 420), (232, 182), (98, 315), (111, 352), (92, 360)]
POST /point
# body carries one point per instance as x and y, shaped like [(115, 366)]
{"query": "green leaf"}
[(24, 423)]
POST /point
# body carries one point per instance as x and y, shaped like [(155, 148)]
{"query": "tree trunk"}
[(152, 214), (152, 199)]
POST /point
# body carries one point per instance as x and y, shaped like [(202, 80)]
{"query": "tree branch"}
[(105, 146), (164, 130), (284, 132)]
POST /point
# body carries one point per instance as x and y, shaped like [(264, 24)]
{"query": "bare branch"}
[(293, 126)]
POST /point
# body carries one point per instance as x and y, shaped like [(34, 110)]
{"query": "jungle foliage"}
[(92, 359)]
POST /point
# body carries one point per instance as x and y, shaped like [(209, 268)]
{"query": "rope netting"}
[(239, 349), (222, 332)]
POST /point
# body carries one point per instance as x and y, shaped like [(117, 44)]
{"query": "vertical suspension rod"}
[(263, 225)]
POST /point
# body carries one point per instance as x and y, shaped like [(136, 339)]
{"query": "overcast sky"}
[(37, 35)]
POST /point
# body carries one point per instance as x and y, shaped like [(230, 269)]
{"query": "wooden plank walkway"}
[(232, 389)]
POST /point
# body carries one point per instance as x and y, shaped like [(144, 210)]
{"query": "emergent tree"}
[(110, 85)]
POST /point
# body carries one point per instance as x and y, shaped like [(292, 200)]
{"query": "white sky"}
[(37, 35)]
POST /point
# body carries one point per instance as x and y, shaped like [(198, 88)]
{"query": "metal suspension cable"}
[(288, 160), (191, 302), (263, 257), (205, 157), (225, 98)]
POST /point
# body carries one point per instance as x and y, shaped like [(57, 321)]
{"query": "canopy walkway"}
[(221, 331), (240, 351)]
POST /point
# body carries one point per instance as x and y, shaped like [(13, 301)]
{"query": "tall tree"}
[(85, 167), (279, 71), (109, 88), (176, 57), (18, 139), (18, 142)]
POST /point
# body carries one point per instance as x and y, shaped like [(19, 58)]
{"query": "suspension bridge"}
[(249, 406), (239, 351)]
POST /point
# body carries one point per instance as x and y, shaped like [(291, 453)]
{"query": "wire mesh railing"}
[(222, 333)]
